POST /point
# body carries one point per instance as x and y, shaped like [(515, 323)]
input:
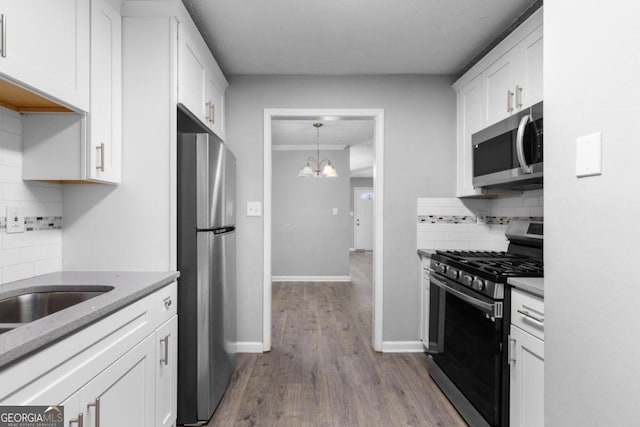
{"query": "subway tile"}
[(17, 272), (10, 257), (47, 266), (10, 174), (11, 122)]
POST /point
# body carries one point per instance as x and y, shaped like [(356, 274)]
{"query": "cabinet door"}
[(470, 111), (424, 326), (47, 47), (500, 81), (103, 151), (167, 373), (215, 107), (73, 411), (192, 76), (123, 394), (532, 79), (527, 380)]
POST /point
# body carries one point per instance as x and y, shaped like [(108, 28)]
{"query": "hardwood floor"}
[(322, 370)]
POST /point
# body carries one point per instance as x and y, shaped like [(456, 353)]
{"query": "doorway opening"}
[(324, 115)]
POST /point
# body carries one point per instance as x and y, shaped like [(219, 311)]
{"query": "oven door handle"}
[(526, 168), (484, 306)]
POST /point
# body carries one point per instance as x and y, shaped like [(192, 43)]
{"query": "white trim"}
[(302, 147), (266, 225), (402, 347), (249, 347), (377, 114), (311, 278)]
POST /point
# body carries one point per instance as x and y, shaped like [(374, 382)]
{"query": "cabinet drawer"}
[(527, 313), (166, 303)]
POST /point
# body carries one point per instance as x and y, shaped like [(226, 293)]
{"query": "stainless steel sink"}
[(35, 305)]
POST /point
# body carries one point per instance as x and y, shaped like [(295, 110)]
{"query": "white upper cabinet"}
[(105, 117), (201, 84), (507, 80), (45, 46), (84, 147), (532, 54), (500, 81), (513, 82), (470, 115)]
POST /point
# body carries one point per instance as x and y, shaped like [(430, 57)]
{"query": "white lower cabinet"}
[(424, 303), (120, 371), (526, 359), (167, 373)]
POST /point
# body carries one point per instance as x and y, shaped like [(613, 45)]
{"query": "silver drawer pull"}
[(3, 34), (96, 405), (167, 302), (79, 420), (100, 148), (165, 359), (525, 313), (511, 360)]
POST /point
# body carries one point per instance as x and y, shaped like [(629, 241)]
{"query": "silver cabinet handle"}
[(526, 168), (213, 113), (518, 96), (528, 315), (100, 148), (208, 116), (79, 420), (510, 359), (509, 101), (165, 359), (167, 302), (96, 405), (3, 30)]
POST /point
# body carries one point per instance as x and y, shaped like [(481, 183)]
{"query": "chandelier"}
[(320, 168)]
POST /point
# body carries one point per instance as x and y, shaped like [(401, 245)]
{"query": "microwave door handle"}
[(526, 168)]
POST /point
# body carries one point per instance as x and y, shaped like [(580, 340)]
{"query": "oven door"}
[(468, 346)]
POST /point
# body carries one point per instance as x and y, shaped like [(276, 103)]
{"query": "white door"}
[(363, 218)]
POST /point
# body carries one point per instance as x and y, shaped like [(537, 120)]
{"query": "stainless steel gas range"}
[(469, 322)]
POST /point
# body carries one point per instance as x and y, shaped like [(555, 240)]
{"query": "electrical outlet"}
[(589, 155), (15, 219), (335, 211), (254, 209)]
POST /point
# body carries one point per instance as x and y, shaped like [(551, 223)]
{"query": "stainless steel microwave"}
[(508, 154)]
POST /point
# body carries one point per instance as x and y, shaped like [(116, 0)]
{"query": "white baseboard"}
[(249, 347), (402, 347), (310, 278)]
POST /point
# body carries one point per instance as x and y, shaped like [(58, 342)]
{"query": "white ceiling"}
[(350, 36), (356, 135)]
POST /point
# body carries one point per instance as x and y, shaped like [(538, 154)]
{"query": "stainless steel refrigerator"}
[(206, 261)]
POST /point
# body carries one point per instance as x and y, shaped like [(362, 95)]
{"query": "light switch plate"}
[(15, 219), (254, 209), (589, 155), (335, 211)]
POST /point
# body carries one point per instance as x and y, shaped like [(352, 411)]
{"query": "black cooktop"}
[(491, 264)]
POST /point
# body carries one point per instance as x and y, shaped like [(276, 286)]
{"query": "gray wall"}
[(307, 239), (356, 182), (419, 160), (592, 84)]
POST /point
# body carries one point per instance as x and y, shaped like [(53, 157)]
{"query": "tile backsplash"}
[(38, 250), (452, 223)]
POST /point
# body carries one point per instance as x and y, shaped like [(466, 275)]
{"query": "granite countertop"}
[(426, 253), (127, 288), (533, 285)]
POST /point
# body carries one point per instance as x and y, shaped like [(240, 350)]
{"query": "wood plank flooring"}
[(322, 370)]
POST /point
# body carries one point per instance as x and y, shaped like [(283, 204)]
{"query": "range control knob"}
[(479, 284), (467, 280), (453, 273), (440, 268)]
